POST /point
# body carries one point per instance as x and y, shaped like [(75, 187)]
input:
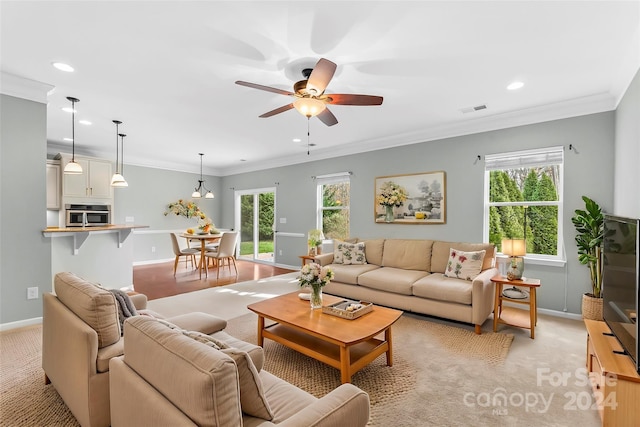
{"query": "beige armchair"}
[(81, 333), (168, 378)]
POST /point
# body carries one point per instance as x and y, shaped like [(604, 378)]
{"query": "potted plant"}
[(314, 239), (589, 224)]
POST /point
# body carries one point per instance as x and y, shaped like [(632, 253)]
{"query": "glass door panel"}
[(257, 209)]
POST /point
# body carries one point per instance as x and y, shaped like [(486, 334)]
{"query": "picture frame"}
[(419, 198)]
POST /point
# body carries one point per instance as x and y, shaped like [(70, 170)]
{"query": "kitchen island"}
[(102, 254)]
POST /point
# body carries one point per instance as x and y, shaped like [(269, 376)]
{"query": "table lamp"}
[(516, 249)]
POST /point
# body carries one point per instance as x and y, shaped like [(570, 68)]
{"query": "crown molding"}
[(592, 104), (19, 87)]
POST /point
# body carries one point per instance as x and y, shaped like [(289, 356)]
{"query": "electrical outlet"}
[(153, 249), (32, 293), (280, 252)]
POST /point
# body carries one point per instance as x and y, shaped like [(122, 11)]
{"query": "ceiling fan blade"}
[(277, 111), (320, 76), (350, 99), (327, 117), (267, 88)]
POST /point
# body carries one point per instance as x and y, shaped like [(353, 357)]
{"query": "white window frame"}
[(321, 181), (525, 159)]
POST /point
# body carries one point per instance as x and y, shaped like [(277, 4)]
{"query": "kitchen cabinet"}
[(53, 184), (93, 183)]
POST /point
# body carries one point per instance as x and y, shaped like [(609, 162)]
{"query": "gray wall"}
[(24, 253), (588, 173), (627, 170), (146, 199)]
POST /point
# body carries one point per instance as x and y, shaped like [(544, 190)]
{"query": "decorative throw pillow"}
[(464, 265), (349, 253), (252, 398)]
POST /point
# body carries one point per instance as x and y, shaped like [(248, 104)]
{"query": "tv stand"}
[(616, 384)]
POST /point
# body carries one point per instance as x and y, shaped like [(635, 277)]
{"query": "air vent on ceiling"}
[(474, 109)]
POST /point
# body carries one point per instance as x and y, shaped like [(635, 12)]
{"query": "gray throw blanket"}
[(125, 307)]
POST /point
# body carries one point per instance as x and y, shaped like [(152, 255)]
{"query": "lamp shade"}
[(72, 168), (118, 181), (514, 247), (309, 107)]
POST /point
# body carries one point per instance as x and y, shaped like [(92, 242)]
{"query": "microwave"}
[(87, 215)]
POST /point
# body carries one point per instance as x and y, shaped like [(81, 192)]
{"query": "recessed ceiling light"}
[(84, 122), (515, 86), (68, 110), (63, 67), (296, 140), (243, 160)]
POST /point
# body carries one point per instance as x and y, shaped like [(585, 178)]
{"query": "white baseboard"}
[(20, 324), (557, 313), (153, 261)]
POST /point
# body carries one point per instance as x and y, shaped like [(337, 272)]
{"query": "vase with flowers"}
[(315, 276), (391, 194), (191, 210), (314, 240)]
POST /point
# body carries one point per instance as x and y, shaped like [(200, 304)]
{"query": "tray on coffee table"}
[(348, 309)]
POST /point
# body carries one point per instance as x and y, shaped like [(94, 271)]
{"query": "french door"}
[(255, 218)]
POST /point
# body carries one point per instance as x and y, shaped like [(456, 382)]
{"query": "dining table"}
[(204, 238)]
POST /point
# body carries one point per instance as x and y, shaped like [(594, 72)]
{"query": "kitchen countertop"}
[(89, 229)]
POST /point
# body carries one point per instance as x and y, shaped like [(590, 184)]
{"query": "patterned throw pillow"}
[(349, 253), (464, 265)]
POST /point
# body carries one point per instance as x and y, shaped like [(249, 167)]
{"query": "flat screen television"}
[(621, 282)]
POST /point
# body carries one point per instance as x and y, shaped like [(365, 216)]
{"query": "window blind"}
[(523, 159)]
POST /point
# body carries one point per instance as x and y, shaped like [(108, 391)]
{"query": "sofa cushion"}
[(201, 382), (440, 254), (105, 354), (373, 250), (96, 306), (439, 287), (407, 254), (349, 273), (464, 265), (255, 352), (396, 280), (252, 398), (349, 253)]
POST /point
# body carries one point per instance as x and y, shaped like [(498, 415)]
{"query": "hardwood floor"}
[(157, 281)]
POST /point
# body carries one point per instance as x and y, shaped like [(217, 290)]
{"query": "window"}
[(333, 205), (523, 199)]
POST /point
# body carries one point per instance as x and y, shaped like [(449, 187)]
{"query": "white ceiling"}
[(167, 70)]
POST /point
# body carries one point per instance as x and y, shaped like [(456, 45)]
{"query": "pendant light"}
[(198, 190), (73, 167), (117, 180)]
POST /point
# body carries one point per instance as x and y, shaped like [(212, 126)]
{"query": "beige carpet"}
[(441, 376), (26, 401), (387, 386)]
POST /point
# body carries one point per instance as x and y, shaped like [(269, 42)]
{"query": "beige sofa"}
[(81, 333), (168, 378), (409, 274)]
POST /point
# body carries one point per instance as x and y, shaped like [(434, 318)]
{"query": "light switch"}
[(283, 220)]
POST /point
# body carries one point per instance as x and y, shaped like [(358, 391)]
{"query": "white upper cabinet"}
[(53, 184), (94, 184)]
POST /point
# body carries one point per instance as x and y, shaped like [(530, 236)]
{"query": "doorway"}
[(255, 218)]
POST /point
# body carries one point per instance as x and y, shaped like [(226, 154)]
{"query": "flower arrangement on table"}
[(392, 194), (191, 210), (315, 276)]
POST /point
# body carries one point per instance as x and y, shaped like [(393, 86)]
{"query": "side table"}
[(306, 258), (514, 316)]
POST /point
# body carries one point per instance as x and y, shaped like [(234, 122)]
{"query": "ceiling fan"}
[(311, 100)]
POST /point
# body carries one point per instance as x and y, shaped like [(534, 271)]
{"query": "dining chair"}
[(178, 252), (226, 251)]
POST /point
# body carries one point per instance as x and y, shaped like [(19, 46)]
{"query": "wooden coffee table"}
[(347, 345)]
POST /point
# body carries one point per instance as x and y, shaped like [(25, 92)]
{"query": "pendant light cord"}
[(73, 130)]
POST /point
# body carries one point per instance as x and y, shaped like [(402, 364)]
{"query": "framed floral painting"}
[(411, 199)]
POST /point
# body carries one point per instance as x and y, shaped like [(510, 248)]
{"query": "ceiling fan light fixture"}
[(309, 107)]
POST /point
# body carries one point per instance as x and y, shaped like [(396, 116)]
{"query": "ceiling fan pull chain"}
[(308, 137)]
